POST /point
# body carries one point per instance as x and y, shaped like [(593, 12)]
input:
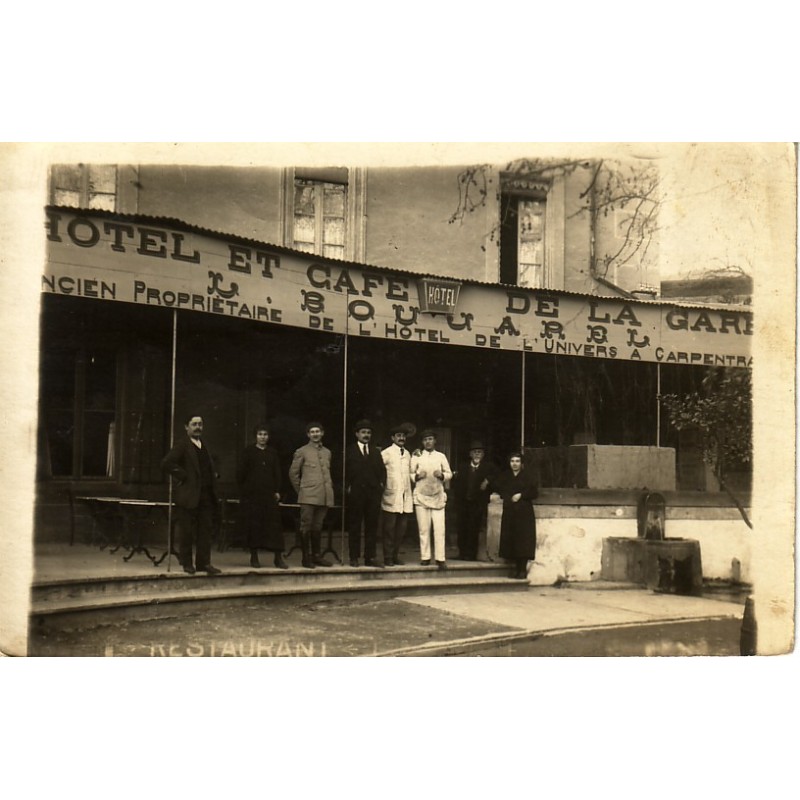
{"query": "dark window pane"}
[(60, 431), (304, 198), (102, 178), (97, 442), (58, 380), (67, 176), (101, 381), (333, 203)]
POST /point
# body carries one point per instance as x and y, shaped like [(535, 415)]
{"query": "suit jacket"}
[(310, 475), (467, 483), (364, 472), (182, 464)]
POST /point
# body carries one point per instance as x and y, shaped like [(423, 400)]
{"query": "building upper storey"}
[(579, 226)]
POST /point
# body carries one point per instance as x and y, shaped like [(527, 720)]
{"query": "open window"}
[(523, 231)]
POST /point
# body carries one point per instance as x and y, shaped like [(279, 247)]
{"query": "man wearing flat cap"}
[(310, 476), (396, 501), (471, 491), (365, 477), (430, 470)]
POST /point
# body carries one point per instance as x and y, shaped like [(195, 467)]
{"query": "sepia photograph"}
[(405, 400)]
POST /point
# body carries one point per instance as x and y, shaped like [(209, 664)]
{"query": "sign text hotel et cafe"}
[(113, 258)]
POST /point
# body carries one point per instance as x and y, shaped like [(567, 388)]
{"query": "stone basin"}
[(665, 565)]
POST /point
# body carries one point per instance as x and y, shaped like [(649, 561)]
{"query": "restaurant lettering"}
[(98, 256)]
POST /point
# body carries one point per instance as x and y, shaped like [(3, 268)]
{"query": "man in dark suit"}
[(190, 465), (472, 496), (365, 475)]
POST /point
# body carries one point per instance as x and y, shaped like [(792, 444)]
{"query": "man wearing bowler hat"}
[(471, 491), (396, 501), (365, 477)]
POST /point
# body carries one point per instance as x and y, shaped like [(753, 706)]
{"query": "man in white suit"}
[(397, 500), (430, 470)]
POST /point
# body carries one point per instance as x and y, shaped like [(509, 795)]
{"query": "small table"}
[(105, 513), (123, 512), (329, 528), (132, 511)]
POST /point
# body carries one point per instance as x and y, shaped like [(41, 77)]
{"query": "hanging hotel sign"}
[(113, 258), (437, 296)]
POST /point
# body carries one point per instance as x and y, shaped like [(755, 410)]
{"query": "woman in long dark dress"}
[(518, 487), (259, 479)]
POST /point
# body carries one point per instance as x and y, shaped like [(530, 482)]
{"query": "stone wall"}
[(570, 538), (599, 466)]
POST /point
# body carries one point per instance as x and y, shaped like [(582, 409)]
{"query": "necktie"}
[(401, 452), (364, 449)]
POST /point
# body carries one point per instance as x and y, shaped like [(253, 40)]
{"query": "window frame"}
[(79, 358), (514, 191), (84, 181), (319, 187)]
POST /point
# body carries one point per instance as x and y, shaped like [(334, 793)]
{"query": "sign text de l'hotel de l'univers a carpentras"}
[(118, 260)]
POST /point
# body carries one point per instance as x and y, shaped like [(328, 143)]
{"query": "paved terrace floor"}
[(577, 619)]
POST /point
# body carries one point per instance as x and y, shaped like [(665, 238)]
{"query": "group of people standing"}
[(383, 487)]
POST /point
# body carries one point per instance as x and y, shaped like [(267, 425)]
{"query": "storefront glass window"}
[(79, 405)]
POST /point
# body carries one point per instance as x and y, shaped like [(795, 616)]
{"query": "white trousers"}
[(425, 518)]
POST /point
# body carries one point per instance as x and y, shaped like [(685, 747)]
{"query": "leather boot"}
[(279, 562), (305, 543), (254, 562), (316, 541)]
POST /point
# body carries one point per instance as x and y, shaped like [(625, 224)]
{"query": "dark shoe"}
[(279, 562), (319, 561), (388, 563), (425, 563), (189, 569), (441, 564), (209, 570), (308, 564), (373, 562), (254, 562), (353, 562), (399, 563)]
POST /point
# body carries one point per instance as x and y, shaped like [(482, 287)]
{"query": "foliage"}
[(609, 185), (723, 412)]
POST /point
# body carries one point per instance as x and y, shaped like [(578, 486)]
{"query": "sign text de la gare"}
[(112, 259)]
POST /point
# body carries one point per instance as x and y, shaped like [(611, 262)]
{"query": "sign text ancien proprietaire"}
[(119, 260)]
